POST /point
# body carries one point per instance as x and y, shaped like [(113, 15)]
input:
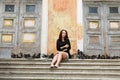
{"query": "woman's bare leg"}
[(54, 60), (61, 55)]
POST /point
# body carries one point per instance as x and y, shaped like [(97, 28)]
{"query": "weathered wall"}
[(62, 15)]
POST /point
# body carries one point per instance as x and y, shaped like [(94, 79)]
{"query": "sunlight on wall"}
[(65, 14), (7, 38), (29, 38), (8, 22), (29, 22)]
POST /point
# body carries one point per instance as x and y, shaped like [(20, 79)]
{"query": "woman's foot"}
[(56, 66), (52, 66)]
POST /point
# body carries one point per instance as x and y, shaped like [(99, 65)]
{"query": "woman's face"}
[(63, 34)]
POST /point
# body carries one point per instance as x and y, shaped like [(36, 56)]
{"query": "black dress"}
[(63, 43)]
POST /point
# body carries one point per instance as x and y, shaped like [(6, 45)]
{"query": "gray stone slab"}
[(5, 53)]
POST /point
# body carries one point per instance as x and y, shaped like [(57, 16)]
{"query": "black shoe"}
[(98, 56), (20, 55), (13, 55), (27, 56), (36, 55), (51, 56), (45, 56), (52, 66)]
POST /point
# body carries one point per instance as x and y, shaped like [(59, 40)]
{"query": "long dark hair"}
[(60, 35)]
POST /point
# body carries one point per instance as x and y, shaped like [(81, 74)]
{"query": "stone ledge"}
[(103, 0)]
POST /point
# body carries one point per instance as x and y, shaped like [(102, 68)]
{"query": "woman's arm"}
[(58, 45), (68, 45)]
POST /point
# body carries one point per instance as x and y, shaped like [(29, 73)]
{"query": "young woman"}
[(63, 49)]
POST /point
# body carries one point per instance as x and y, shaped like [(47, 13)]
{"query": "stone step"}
[(49, 60), (65, 66), (61, 66), (60, 70), (74, 69), (65, 63), (47, 65), (38, 62), (37, 67), (55, 78), (62, 74), (53, 72)]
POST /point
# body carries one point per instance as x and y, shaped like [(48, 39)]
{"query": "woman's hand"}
[(62, 47), (65, 50), (66, 46)]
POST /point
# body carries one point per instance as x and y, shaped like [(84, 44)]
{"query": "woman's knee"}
[(63, 55), (56, 56), (60, 54)]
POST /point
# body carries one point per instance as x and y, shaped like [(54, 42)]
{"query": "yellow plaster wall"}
[(62, 15)]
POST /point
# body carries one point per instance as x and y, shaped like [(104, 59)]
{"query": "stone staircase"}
[(74, 69)]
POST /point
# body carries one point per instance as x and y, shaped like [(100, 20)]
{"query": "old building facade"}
[(102, 27), (20, 26), (33, 26)]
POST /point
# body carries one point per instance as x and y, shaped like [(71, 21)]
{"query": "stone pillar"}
[(79, 24), (44, 29)]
